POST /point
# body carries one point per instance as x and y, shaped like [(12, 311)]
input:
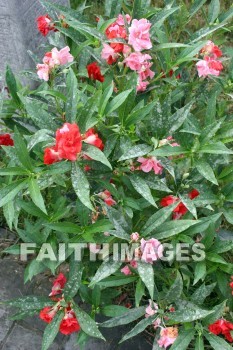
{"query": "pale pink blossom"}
[(94, 248), (152, 250), (208, 66), (136, 61), (157, 323), (167, 336), (142, 85), (134, 236), (108, 54), (62, 57), (121, 19), (151, 309), (139, 36), (126, 270), (151, 163), (146, 72), (43, 71)]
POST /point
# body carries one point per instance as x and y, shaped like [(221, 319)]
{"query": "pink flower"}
[(134, 236), (168, 336), (157, 323), (43, 71), (134, 264), (126, 270), (209, 66), (150, 163), (108, 54), (210, 49), (121, 19), (136, 61), (142, 85), (139, 36), (62, 57), (94, 248), (152, 250), (151, 308)]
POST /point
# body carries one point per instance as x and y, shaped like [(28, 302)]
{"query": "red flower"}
[(69, 324), (6, 140), (117, 47), (222, 327), (168, 200), (68, 141), (94, 72), (107, 197), (58, 285), (93, 139), (51, 155), (47, 314), (45, 24), (193, 194)]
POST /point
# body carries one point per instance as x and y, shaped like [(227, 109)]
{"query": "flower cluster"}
[(210, 65), (69, 323), (53, 59), (181, 209), (150, 163), (6, 140), (222, 327), (137, 38), (69, 143)]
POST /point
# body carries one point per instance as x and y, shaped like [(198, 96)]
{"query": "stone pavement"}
[(27, 334)]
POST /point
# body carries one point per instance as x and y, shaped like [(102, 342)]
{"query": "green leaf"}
[(13, 171), (9, 192), (72, 96), (105, 98), (32, 209), (21, 151), (213, 10), (168, 150), (172, 228), (12, 85), (146, 273), (178, 118), (200, 271), (40, 136), (217, 343), (87, 324), (200, 294), (199, 345), (206, 171), (30, 302), (139, 292), (81, 185), (130, 316), (96, 154), (106, 269), (113, 310), (183, 340), (74, 281), (224, 17), (36, 195), (215, 148), (116, 281), (196, 7), (187, 313), (136, 151), (161, 16), (215, 258), (176, 289), (139, 114), (190, 52), (140, 327), (99, 226), (218, 311), (65, 227), (142, 188), (51, 331), (157, 219), (117, 101), (189, 205)]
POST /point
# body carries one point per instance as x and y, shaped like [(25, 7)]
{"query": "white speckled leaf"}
[(146, 273)]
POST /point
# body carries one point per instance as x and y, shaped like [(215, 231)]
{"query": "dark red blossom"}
[(94, 72), (69, 324), (6, 140), (58, 285), (45, 24)]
